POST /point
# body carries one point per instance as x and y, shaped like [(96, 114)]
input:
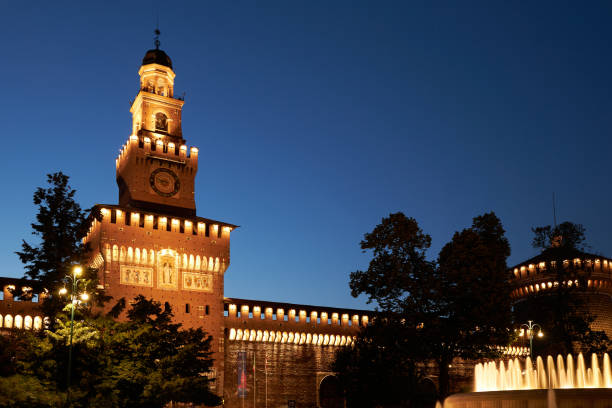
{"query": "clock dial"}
[(164, 182)]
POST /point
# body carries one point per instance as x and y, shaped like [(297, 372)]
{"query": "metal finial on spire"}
[(157, 33)]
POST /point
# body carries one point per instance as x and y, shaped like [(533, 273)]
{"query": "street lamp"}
[(531, 327), (74, 278)]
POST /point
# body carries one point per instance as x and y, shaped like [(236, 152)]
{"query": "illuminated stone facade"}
[(538, 275)]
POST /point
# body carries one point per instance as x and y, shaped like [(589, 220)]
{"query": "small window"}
[(225, 312), (207, 309), (1, 294), (35, 298), (286, 318), (250, 315), (161, 122), (207, 230), (187, 308)]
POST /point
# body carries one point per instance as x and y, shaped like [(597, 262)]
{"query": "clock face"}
[(164, 182)]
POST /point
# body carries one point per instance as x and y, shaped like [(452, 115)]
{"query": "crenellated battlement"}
[(539, 274), (133, 218), (136, 147), (19, 305), (260, 321)]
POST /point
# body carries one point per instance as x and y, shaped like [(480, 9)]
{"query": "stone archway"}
[(330, 393)]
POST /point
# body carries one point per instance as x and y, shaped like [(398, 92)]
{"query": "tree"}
[(147, 361), (60, 225), (152, 361), (457, 306), (474, 296)]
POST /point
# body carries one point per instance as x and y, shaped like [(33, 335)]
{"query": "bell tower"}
[(155, 170)]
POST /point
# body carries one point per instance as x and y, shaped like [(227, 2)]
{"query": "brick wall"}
[(294, 372)]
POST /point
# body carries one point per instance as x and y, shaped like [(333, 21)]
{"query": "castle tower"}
[(152, 243), (159, 175)]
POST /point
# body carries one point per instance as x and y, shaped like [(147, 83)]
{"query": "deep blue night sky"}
[(316, 119)]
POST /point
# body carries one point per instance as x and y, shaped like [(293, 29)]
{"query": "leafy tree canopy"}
[(60, 225), (457, 306), (146, 361)]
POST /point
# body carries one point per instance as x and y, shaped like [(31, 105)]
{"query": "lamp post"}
[(531, 326), (76, 272)]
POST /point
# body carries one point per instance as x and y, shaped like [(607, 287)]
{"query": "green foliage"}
[(60, 225), (147, 361), (154, 361), (458, 306), (19, 391)]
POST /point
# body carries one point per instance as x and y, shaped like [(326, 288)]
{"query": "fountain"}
[(560, 383)]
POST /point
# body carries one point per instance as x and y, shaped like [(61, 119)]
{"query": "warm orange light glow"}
[(63, 291), (85, 297), (77, 270)]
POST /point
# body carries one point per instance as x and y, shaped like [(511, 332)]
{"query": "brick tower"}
[(153, 243)]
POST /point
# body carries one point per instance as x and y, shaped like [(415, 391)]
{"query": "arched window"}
[(144, 256), (27, 323), (137, 255), (151, 256), (161, 122), (8, 321), (216, 264), (18, 322), (122, 254), (108, 253), (197, 263), (185, 263), (1, 321), (211, 264), (115, 253), (37, 323), (130, 254), (204, 266), (191, 261)]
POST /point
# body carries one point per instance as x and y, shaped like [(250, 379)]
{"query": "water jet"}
[(558, 383)]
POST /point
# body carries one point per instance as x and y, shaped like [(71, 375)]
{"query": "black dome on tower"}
[(157, 56)]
